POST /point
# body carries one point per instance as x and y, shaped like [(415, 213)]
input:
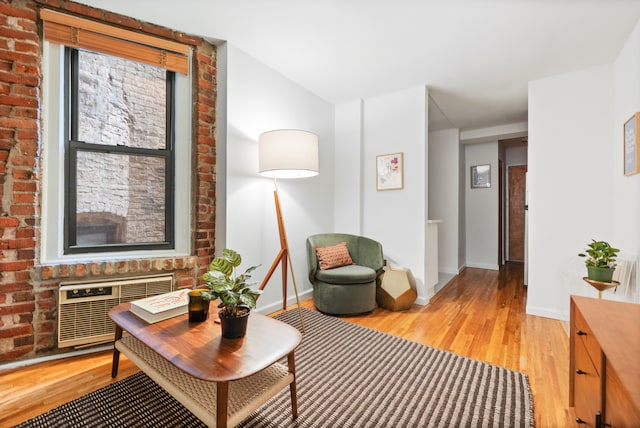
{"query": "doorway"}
[(517, 185)]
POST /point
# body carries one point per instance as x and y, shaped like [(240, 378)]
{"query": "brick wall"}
[(28, 289)]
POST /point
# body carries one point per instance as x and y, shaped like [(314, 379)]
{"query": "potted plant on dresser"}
[(236, 296), (600, 260)]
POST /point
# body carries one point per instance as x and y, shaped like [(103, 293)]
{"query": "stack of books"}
[(161, 307)]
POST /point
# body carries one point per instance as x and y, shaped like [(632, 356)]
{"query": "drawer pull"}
[(581, 333), (580, 421), (580, 372)]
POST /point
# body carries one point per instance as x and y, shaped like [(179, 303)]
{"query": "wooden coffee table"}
[(219, 380)]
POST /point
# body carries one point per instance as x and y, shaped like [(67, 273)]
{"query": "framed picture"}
[(481, 176), (631, 152), (389, 171)]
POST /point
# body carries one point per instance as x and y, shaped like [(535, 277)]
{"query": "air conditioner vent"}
[(83, 308)]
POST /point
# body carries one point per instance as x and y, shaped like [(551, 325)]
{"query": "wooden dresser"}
[(604, 375)]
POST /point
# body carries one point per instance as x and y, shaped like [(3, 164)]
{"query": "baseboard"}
[(545, 312), (483, 266), (291, 300)]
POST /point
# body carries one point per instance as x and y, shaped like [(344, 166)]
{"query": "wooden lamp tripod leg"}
[(283, 257)]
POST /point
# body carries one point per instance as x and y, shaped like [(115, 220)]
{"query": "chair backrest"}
[(364, 251)]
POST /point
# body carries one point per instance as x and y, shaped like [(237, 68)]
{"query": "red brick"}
[(28, 210), (80, 271), (16, 309), (83, 10), (18, 101), (27, 91), (27, 134), (95, 269), (15, 265), (24, 198), (47, 272), (27, 161), (64, 271), (15, 287), (184, 38), (22, 276), (21, 341), (25, 233), (26, 254), (46, 304), (9, 122), (23, 297), (156, 30), (21, 243), (122, 20), (27, 48), (24, 186), (9, 222), (16, 353), (19, 12)]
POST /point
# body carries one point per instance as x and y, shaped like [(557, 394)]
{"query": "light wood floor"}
[(479, 314)]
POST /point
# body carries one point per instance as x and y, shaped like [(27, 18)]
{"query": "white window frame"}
[(52, 168)]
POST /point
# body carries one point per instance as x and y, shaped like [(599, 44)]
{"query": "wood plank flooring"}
[(479, 314)]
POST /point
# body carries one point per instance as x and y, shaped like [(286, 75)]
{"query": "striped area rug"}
[(348, 376)]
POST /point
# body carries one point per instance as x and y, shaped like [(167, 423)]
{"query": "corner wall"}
[(481, 208), (570, 182), (258, 100), (392, 123), (626, 190), (444, 177)]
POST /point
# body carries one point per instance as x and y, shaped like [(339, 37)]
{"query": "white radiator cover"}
[(83, 308)]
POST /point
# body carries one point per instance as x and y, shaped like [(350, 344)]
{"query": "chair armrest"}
[(369, 253), (312, 261)]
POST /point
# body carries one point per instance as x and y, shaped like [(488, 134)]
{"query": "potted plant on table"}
[(236, 296), (601, 260)]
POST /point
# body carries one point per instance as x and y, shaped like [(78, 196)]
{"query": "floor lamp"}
[(286, 153)]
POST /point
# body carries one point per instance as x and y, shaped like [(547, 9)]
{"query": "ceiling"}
[(476, 57)]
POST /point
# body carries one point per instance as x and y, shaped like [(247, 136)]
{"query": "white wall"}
[(481, 207), (259, 100), (444, 177), (626, 190), (397, 218), (571, 156), (347, 161)]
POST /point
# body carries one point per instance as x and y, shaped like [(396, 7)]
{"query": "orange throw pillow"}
[(334, 256)]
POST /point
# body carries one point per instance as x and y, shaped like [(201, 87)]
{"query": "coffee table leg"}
[(116, 352), (292, 387), (222, 404)]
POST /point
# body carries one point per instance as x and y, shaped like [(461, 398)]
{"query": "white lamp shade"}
[(288, 153)]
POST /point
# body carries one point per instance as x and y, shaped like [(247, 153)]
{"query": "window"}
[(118, 154), (116, 160)]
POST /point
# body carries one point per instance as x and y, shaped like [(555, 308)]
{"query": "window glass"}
[(119, 156), (121, 102), (120, 199)]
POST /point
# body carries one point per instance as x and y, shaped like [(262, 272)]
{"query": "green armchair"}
[(349, 289)]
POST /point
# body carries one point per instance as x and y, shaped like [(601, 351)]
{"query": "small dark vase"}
[(234, 327)]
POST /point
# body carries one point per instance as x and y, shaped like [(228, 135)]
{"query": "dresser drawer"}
[(587, 384), (621, 411), (585, 336)]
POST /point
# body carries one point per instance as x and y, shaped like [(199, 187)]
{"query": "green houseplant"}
[(600, 260), (233, 291)]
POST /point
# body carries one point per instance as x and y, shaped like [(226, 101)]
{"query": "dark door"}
[(517, 188)]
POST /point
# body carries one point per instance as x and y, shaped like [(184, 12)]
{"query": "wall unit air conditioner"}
[(83, 308)]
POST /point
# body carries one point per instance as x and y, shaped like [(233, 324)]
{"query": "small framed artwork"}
[(389, 172), (631, 152), (481, 176)]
